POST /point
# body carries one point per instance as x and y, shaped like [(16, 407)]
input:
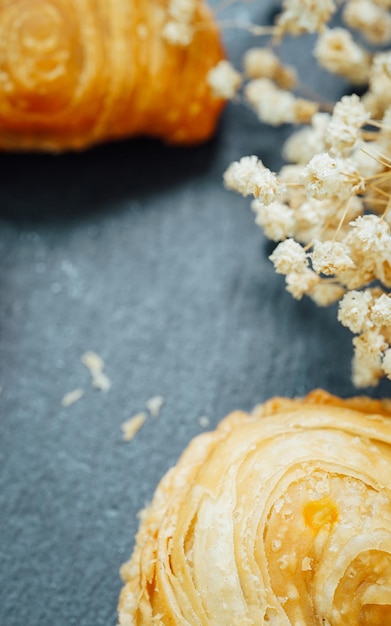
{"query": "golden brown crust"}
[(279, 517), (364, 404), (77, 72)]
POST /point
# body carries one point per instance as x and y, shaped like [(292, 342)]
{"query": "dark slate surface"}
[(136, 251)]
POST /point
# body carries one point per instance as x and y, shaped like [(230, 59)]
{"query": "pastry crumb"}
[(204, 421), (71, 397), (133, 425), (154, 405), (95, 364), (92, 361), (101, 381)]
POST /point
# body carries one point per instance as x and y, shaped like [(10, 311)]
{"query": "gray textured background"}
[(136, 251)]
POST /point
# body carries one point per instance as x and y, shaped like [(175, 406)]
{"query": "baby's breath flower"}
[(331, 257), (381, 311), (357, 278), (272, 105), (336, 198), (325, 177), (370, 242), (325, 293), (369, 233), (338, 53), (367, 359), (343, 130), (289, 256), (178, 33), (250, 177), (276, 106), (336, 217), (319, 219), (373, 21), (179, 30), (224, 80), (277, 219), (377, 98), (182, 10), (304, 110), (260, 63), (290, 173), (301, 283), (305, 143), (354, 310), (305, 16), (365, 161), (294, 194), (263, 63), (382, 64), (311, 216)]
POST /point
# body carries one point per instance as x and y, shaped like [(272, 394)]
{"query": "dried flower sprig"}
[(179, 27), (329, 210)]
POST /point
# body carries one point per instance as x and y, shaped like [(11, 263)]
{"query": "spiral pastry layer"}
[(77, 72), (281, 517)]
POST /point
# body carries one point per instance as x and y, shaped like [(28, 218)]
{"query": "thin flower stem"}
[(379, 176), (380, 191), (387, 208), (253, 29), (380, 158), (310, 94), (371, 201), (377, 124), (343, 217), (294, 185)]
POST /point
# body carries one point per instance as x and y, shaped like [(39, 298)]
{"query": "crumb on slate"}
[(133, 425), (95, 364), (71, 397), (154, 405)]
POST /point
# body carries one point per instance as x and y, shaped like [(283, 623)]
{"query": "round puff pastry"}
[(77, 72), (282, 518)]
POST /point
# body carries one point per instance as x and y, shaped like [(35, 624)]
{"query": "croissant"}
[(278, 518), (77, 72)]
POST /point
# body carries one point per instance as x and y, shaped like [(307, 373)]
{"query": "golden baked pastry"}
[(77, 72), (281, 518)]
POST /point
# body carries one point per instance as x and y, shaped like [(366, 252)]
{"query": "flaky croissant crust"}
[(77, 72), (282, 517)]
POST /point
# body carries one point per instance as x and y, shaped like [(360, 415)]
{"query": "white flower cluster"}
[(250, 177), (276, 106), (332, 249), (367, 313), (329, 208), (305, 16), (224, 80), (338, 53), (370, 18), (264, 63), (179, 30), (331, 270)]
